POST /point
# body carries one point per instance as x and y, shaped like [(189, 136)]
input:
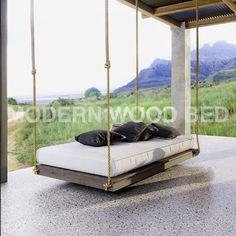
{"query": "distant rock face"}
[(157, 75), (217, 61), (219, 50)]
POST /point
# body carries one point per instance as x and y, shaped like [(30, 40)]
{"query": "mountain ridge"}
[(217, 62)]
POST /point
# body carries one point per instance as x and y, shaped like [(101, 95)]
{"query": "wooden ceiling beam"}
[(161, 13), (211, 21), (230, 4), (190, 5), (149, 12)]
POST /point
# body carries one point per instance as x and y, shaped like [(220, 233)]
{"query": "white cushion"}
[(124, 156)]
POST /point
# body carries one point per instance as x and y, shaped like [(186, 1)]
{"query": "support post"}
[(3, 92), (181, 78)]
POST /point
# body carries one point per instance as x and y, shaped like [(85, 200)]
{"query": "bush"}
[(12, 101), (92, 92), (62, 102), (114, 95)]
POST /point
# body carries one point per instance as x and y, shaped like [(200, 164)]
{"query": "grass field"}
[(223, 94)]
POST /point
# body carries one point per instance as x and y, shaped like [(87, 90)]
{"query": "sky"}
[(70, 48)]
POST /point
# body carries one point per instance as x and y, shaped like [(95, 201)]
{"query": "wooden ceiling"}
[(176, 12)]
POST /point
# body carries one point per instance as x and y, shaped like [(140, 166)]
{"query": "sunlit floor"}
[(195, 198)]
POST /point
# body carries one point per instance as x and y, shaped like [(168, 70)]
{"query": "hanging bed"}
[(130, 162), (112, 167)]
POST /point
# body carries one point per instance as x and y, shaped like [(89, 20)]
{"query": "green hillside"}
[(222, 75)]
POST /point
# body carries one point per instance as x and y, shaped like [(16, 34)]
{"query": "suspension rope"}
[(137, 60), (108, 66), (35, 169), (197, 77)]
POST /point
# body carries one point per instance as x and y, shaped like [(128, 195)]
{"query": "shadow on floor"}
[(175, 177), (82, 196)]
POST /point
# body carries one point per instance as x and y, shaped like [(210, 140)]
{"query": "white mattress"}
[(124, 156)]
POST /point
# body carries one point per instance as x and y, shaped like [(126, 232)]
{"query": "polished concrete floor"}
[(195, 198)]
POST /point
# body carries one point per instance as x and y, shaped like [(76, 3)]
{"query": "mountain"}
[(220, 50), (228, 72), (217, 62), (157, 75), (209, 67)]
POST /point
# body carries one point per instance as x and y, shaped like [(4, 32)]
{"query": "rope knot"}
[(35, 170), (34, 72), (108, 65), (107, 186)]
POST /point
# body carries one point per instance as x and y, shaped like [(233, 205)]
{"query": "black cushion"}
[(131, 130), (97, 138), (165, 131), (148, 133)]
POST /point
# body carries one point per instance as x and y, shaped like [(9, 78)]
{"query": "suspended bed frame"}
[(173, 12)]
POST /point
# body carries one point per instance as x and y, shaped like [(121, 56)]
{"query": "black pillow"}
[(131, 130), (98, 138), (148, 133), (165, 131)]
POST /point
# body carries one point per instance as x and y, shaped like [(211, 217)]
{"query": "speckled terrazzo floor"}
[(195, 198)]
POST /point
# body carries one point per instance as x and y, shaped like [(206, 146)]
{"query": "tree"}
[(62, 102), (92, 92), (12, 101)]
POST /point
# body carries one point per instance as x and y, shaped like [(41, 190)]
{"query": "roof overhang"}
[(176, 12)]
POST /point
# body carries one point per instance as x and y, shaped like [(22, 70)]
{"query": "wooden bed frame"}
[(118, 182)]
